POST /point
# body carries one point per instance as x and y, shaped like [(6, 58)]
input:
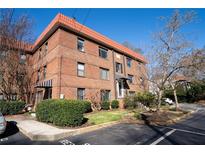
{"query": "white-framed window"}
[(141, 81), (130, 78), (80, 44), (131, 93), (44, 71), (81, 69), (2, 54), (104, 73), (38, 75), (80, 93), (118, 67), (39, 54), (129, 62), (46, 48), (103, 53), (105, 95), (22, 57)]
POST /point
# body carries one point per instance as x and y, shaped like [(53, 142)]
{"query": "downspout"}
[(60, 75), (113, 61), (125, 73)]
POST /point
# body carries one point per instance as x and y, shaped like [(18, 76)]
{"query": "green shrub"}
[(87, 105), (10, 108), (105, 105), (115, 104), (146, 98), (129, 102), (138, 116), (61, 112)]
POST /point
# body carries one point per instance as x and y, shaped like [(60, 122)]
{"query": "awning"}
[(44, 84), (118, 77)]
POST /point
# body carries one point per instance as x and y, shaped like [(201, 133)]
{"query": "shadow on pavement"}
[(159, 133), (11, 129)]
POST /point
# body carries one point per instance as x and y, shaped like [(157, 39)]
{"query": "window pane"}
[(118, 67), (130, 77), (81, 66), (81, 69), (80, 93), (103, 53), (105, 95), (80, 45), (104, 74), (129, 61)]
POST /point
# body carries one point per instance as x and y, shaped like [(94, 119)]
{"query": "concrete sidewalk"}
[(39, 131)]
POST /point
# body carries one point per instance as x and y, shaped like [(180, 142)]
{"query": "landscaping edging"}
[(62, 133)]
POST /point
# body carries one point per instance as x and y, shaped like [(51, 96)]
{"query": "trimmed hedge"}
[(105, 105), (62, 112), (10, 108), (115, 104), (87, 105)]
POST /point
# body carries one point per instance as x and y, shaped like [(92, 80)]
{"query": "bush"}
[(87, 105), (129, 102), (115, 104), (61, 112), (146, 98), (105, 105), (10, 108), (138, 116)]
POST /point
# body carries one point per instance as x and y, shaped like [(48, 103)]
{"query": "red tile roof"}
[(73, 25)]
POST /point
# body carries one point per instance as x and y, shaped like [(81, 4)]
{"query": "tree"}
[(15, 33), (132, 47), (171, 49)]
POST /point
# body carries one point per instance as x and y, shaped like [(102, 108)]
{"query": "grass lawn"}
[(106, 116)]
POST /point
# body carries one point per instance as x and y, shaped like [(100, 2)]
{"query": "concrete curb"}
[(64, 133), (182, 117)]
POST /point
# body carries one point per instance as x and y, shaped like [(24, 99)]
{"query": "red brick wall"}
[(61, 61)]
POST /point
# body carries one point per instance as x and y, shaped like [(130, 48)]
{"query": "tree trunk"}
[(176, 100), (159, 100), (175, 96)]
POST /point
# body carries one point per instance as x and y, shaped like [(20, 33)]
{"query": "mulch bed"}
[(161, 117)]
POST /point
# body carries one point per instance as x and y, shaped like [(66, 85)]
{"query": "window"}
[(80, 44), (1, 76), (131, 93), (104, 74), (105, 95), (141, 81), (118, 67), (2, 54), (129, 62), (81, 93), (38, 75), (22, 57), (46, 48), (103, 53), (1, 98), (39, 54), (139, 66), (130, 78), (44, 71), (81, 69)]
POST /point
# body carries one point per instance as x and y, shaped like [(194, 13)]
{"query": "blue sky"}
[(133, 25)]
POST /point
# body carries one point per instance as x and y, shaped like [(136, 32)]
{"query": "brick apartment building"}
[(74, 62)]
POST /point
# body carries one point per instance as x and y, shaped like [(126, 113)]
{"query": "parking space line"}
[(163, 137), (187, 131)]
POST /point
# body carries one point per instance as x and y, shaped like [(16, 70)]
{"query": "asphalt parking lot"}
[(190, 131)]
